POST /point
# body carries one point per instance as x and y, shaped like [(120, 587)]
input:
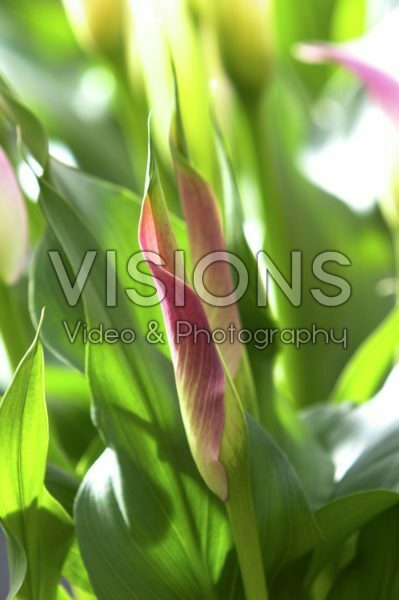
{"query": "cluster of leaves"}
[(105, 492)]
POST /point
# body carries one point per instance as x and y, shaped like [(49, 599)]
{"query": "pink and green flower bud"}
[(13, 224), (98, 24), (244, 29), (211, 411)]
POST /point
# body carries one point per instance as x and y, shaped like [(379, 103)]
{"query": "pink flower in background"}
[(373, 58), (13, 224)]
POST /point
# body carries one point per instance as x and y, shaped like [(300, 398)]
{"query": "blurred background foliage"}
[(93, 91), (309, 154)]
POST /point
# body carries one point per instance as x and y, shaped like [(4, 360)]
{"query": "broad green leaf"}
[(341, 518), (376, 467), (75, 238), (38, 530), (138, 534), (311, 462), (362, 440), (373, 573), (30, 130), (367, 368), (111, 215), (126, 395), (45, 289), (287, 527), (75, 573), (144, 492)]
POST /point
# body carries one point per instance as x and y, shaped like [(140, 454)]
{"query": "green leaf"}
[(75, 573), (138, 533), (341, 518), (374, 572), (38, 531), (158, 529), (45, 290), (110, 215), (62, 485), (362, 440), (367, 368), (68, 403), (30, 130), (286, 525), (130, 405)]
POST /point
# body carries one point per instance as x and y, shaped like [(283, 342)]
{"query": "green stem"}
[(10, 327), (243, 523)]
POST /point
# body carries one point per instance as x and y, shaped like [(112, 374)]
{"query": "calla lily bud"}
[(13, 224), (245, 41), (211, 411), (98, 24)]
